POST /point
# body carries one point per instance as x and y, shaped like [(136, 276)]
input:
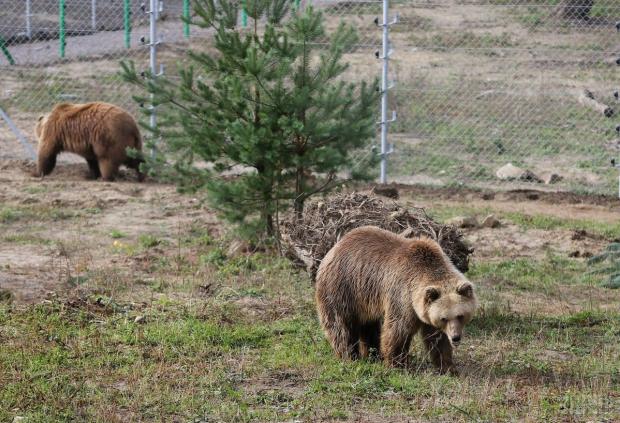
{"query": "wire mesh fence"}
[(484, 84), (479, 84)]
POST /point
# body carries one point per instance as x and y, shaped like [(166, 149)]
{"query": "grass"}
[(15, 213), (210, 360), (462, 39), (530, 220), (546, 222), (251, 349), (116, 234), (26, 239), (533, 275), (444, 121)]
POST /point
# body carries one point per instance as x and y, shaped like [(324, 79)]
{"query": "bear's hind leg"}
[(93, 169), (439, 348), (370, 336), (108, 169)]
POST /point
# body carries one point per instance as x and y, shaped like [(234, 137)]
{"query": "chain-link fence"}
[(69, 50), (479, 84), (486, 83)]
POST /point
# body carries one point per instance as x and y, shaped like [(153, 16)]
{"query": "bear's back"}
[(370, 255)]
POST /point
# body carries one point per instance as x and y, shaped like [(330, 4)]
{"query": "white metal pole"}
[(153, 53), (28, 20), (93, 15), (384, 94)]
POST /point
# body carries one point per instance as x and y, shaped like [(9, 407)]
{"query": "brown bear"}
[(376, 289), (99, 132)]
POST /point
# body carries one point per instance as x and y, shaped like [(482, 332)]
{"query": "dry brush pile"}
[(324, 222)]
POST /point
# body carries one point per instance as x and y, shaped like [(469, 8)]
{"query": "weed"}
[(147, 241), (116, 234)]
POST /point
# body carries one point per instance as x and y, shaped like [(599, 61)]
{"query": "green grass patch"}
[(546, 222), (116, 234), (26, 239), (531, 275), (64, 363), (529, 221)]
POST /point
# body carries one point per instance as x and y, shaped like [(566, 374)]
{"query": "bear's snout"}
[(456, 339)]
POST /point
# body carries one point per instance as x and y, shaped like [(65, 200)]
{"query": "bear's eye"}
[(443, 319), (460, 317)]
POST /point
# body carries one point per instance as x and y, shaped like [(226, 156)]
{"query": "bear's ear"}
[(465, 289), (431, 294)]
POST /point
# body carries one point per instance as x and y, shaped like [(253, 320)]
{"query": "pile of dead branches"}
[(324, 222)]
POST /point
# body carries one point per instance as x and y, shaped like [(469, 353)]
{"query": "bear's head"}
[(38, 129), (448, 306)]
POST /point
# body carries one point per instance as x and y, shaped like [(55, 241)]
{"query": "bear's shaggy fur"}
[(376, 289), (99, 132)]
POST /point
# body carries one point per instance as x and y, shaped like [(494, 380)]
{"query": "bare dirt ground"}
[(59, 227), (55, 229)]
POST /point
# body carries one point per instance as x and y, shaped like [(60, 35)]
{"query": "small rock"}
[(463, 222), (18, 419), (552, 178), (530, 176), (140, 320), (490, 222), (579, 234), (578, 254), (237, 247), (510, 172), (556, 355), (386, 191)]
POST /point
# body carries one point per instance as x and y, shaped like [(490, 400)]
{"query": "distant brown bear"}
[(99, 132), (375, 289)]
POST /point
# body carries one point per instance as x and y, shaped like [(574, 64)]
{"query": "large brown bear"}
[(99, 132), (376, 289)]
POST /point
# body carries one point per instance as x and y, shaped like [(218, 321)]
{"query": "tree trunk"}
[(576, 9), (269, 225), (299, 192)]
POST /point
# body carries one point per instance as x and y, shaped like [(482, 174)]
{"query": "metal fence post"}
[(387, 51), (153, 42), (127, 23), (61, 35), (187, 16), (93, 15), (28, 19)]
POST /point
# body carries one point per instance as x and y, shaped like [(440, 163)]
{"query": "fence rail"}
[(478, 84)]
